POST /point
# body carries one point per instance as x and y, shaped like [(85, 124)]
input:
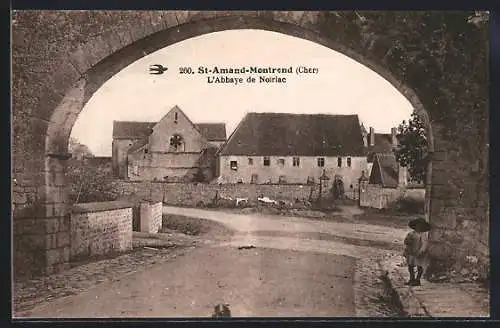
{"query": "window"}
[(145, 150), (339, 162), (321, 161), (348, 162), (267, 161), (176, 117), (250, 161), (136, 170), (296, 161), (234, 165), (176, 143), (281, 161)]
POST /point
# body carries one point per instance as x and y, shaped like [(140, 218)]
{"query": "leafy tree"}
[(78, 150), (412, 147)]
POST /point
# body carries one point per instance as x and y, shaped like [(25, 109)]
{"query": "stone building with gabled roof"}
[(294, 148), (380, 147), (173, 149), (386, 172)]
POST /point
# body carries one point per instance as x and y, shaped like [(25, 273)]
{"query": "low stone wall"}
[(376, 196), (100, 228), (151, 217), (191, 194)]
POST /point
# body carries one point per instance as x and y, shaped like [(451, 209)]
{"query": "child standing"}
[(416, 244)]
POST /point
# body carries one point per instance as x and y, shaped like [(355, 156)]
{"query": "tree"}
[(89, 183), (78, 150), (412, 147)]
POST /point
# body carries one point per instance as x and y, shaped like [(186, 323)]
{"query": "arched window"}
[(176, 143)]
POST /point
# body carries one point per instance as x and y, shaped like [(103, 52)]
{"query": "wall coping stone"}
[(100, 206)]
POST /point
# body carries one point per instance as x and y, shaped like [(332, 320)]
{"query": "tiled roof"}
[(138, 144), (212, 131), (383, 145), (385, 171), (132, 130), (140, 130), (268, 134)]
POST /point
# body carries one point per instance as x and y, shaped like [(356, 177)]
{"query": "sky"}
[(341, 86)]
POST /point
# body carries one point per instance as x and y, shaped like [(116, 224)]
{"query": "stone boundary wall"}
[(376, 196), (151, 217), (100, 228), (191, 194)]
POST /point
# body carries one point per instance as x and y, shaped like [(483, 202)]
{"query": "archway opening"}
[(95, 80), (344, 86)]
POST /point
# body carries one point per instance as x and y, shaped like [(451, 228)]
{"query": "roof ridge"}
[(222, 123), (134, 121), (302, 114)]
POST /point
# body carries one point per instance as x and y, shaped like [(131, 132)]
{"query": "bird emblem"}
[(157, 69)]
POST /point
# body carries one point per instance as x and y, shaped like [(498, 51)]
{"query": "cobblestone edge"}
[(28, 294), (402, 298), (370, 291)]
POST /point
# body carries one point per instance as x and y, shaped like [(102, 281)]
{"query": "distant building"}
[(294, 148), (386, 172), (172, 149), (380, 157)]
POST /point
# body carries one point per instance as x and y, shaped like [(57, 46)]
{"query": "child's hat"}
[(420, 225)]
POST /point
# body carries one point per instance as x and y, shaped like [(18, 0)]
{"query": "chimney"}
[(364, 134), (372, 136), (394, 139)]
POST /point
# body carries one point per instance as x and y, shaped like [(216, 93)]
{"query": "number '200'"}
[(185, 70)]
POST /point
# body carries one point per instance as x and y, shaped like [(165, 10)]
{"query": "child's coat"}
[(416, 245)]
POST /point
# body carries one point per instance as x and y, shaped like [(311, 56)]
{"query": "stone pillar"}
[(145, 217), (363, 185), (150, 217), (41, 220), (459, 222)]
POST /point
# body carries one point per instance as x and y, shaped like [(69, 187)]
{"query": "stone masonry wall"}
[(378, 197), (100, 228), (191, 194), (151, 217)]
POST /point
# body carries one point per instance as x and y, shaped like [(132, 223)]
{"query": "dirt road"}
[(254, 282), (298, 267), (250, 226)]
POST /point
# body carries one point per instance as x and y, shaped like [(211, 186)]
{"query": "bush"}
[(409, 205), (89, 183)]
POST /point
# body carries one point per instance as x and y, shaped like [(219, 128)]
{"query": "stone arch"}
[(90, 54)]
